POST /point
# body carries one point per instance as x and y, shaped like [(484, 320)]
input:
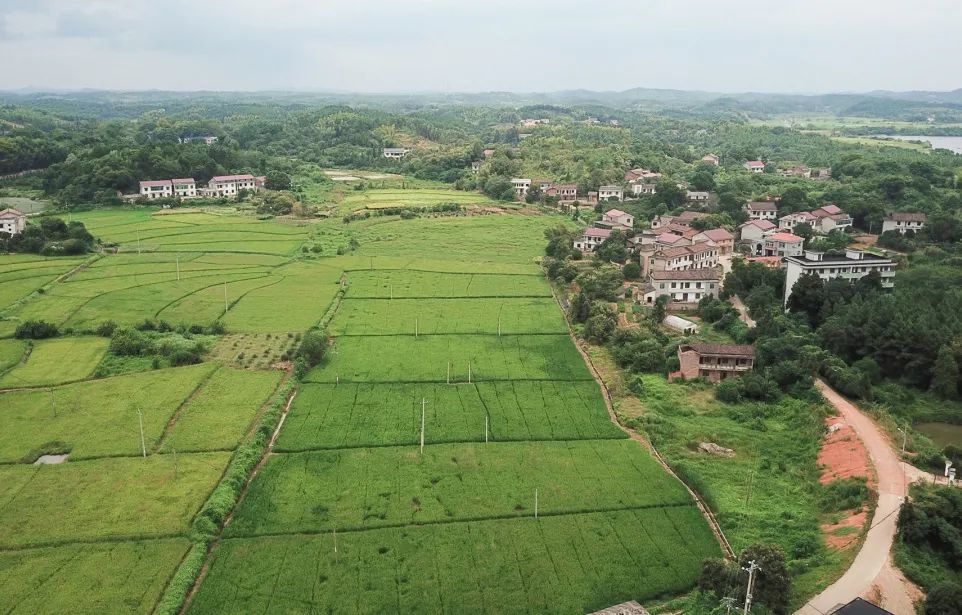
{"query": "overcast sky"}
[(481, 45)]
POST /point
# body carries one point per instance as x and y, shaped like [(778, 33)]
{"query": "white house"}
[(12, 221), (783, 244), (207, 139), (685, 287), (711, 159), (520, 186), (591, 239), (610, 192), (855, 264), (395, 152), (903, 222), (788, 222), (830, 217), (718, 237), (615, 218), (476, 166), (184, 188), (697, 197), (755, 166), (155, 189), (639, 189), (756, 229), (230, 185), (762, 210)]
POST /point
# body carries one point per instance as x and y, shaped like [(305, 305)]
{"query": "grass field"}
[(420, 197), (486, 357), (350, 415), (560, 564), (104, 498), (446, 316), (401, 284), (870, 142), (114, 577), (57, 360), (11, 353), (24, 204)]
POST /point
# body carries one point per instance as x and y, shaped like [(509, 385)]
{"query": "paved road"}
[(873, 558), (742, 311)]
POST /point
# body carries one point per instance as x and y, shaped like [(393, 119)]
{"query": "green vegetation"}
[(55, 361), (929, 547), (423, 284)]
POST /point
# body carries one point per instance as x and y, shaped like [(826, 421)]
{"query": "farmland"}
[(45, 362), (380, 198)]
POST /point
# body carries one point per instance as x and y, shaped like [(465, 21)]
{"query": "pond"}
[(942, 434), (951, 143)]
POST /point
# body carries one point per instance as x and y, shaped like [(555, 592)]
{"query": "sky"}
[(798, 46)]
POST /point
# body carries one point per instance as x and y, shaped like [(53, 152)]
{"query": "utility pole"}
[(499, 325), (138, 241), (53, 403), (469, 372), (178, 267), (752, 567), (535, 503), (449, 372), (423, 402), (143, 443), (415, 327), (225, 297), (485, 428), (904, 435), (729, 603)]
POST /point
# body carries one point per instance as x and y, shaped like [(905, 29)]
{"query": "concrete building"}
[(567, 193), (476, 166), (591, 238), (156, 189), (851, 266), (718, 237), (711, 159), (684, 288), (788, 222), (641, 189), (640, 173), (677, 258), (606, 193), (697, 197), (615, 218), (207, 139), (184, 187), (755, 166), (783, 244), (903, 222), (230, 185), (521, 186), (395, 153), (762, 210), (756, 229), (12, 221), (715, 362), (830, 217)]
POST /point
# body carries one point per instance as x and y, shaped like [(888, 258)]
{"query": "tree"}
[(944, 599), (602, 322), (613, 249), (580, 308), (631, 271), (945, 374), (313, 347), (772, 580), (808, 295), (670, 194), (794, 199), (660, 309), (499, 188), (277, 180)]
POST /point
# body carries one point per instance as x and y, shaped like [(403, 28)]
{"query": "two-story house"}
[(762, 210), (715, 362), (783, 244), (903, 222), (853, 265), (684, 288), (718, 237), (755, 166), (610, 193), (12, 221), (591, 238)]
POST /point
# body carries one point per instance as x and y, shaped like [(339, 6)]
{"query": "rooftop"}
[(155, 182), (867, 257), (762, 206), (861, 607), (786, 237), (906, 216), (232, 178), (731, 350), (10, 212), (615, 213), (597, 232), (718, 234), (703, 274), (182, 180), (765, 225), (610, 188)]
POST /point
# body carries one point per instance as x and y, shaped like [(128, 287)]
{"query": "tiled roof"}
[(155, 182), (615, 213), (765, 225), (704, 273), (597, 232), (182, 180), (718, 234), (905, 216), (786, 237), (232, 178), (740, 350), (762, 206)]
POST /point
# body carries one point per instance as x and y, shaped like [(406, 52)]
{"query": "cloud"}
[(416, 45)]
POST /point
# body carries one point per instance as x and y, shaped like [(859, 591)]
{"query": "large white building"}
[(688, 286), (606, 193), (521, 186), (156, 189), (395, 153), (904, 222), (230, 185), (12, 221), (855, 264)]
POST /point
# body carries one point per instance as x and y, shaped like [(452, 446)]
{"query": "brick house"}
[(716, 362), (610, 193), (755, 166), (615, 218)]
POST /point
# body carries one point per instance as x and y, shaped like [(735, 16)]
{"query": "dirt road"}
[(742, 311), (871, 571)]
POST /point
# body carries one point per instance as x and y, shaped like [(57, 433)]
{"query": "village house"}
[(230, 185), (157, 189), (476, 166), (755, 166), (524, 135), (697, 197), (567, 193), (617, 219), (529, 122), (715, 362), (851, 266), (12, 221), (542, 184), (788, 222), (592, 197), (521, 186), (640, 189), (903, 222), (762, 210), (756, 229), (488, 153), (638, 174), (395, 153), (207, 139), (685, 218), (184, 188), (783, 244), (684, 288), (606, 193), (711, 159), (718, 237), (655, 257), (830, 217), (591, 238)]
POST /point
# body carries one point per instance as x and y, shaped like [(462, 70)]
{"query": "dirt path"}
[(742, 311), (867, 574)]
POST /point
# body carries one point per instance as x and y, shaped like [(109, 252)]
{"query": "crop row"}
[(557, 564), (400, 284)]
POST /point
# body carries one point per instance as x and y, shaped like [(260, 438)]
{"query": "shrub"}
[(843, 494), (728, 391), (312, 348), (106, 328), (35, 330)]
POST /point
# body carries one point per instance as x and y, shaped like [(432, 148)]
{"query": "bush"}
[(728, 391), (312, 348), (35, 330), (632, 271), (106, 328), (843, 494), (944, 599)]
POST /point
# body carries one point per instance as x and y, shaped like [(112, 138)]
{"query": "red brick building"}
[(715, 362)]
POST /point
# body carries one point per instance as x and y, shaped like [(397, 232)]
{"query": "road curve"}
[(892, 489)]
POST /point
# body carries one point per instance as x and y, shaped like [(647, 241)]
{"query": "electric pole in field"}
[(415, 327), (752, 567), (143, 442), (178, 267), (469, 372), (449, 372), (485, 428), (225, 297), (423, 402), (535, 503)]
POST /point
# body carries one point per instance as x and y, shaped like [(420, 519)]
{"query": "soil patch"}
[(843, 455)]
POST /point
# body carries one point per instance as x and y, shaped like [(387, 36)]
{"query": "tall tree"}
[(945, 374)]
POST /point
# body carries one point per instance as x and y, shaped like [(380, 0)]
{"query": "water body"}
[(942, 434), (952, 143)]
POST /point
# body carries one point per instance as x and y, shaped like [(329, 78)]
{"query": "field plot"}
[(556, 564), (104, 498), (96, 418), (57, 360), (118, 577), (222, 410), (405, 284), (254, 350), (446, 316), (11, 353), (377, 198), (487, 357), (294, 299), (20, 277), (371, 487), (350, 415), (496, 239)]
